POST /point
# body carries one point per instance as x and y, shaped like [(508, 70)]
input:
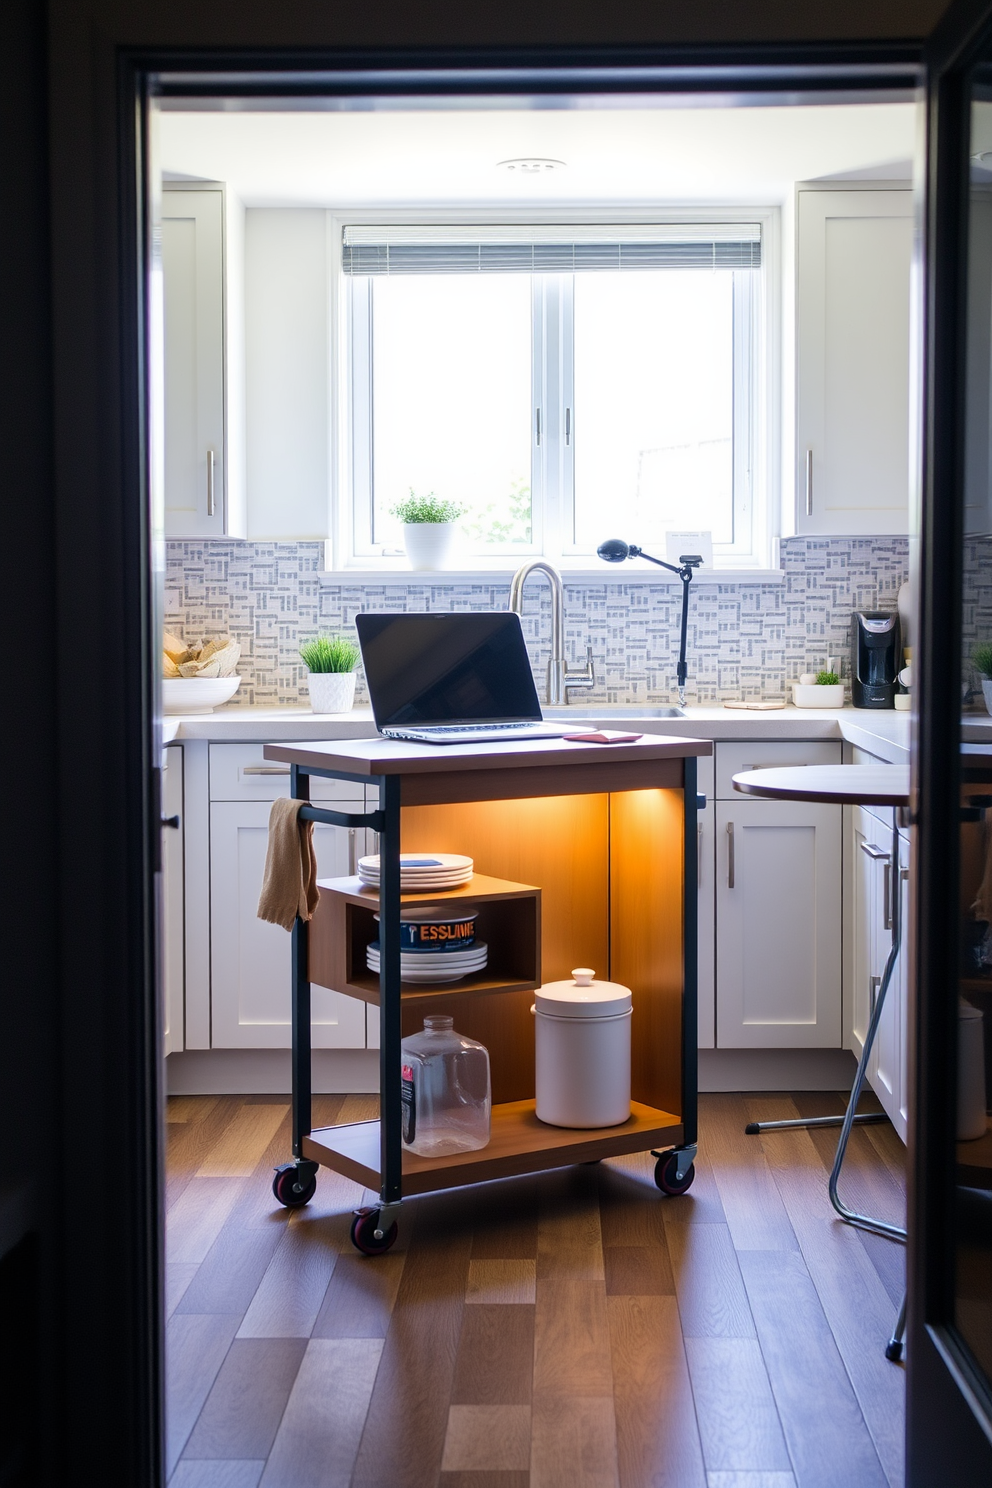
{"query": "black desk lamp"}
[(615, 551)]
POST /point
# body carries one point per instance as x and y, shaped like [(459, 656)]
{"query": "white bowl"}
[(818, 697), (197, 694)]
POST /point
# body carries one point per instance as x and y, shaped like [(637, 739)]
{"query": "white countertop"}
[(881, 732)]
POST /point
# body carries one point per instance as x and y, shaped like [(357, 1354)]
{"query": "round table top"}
[(848, 785)]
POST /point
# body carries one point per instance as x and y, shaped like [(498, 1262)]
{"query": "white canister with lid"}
[(972, 1122), (582, 1033)]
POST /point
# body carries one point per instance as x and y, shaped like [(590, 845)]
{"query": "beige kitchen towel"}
[(289, 885)]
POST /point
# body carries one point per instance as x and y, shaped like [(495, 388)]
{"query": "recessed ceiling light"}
[(530, 165)]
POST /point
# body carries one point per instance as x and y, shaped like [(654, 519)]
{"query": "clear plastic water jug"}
[(446, 1092)]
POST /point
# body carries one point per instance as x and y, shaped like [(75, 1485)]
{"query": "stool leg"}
[(893, 1349)]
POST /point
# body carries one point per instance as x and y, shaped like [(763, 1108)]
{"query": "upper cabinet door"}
[(193, 294), (853, 335)]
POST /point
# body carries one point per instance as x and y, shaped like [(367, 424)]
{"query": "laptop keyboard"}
[(476, 728)]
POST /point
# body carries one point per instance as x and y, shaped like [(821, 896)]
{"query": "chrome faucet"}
[(560, 679)]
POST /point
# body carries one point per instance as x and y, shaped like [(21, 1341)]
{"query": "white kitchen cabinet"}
[(869, 927), (249, 959), (778, 924), (901, 1119), (172, 905), (853, 313), (706, 938), (193, 290), (978, 381)]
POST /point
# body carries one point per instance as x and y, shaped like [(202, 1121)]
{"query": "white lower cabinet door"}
[(869, 851), (706, 938), (885, 1065), (249, 959), (173, 905), (900, 1120), (778, 917)]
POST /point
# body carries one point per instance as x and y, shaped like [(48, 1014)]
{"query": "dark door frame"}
[(949, 1409), (107, 1387)]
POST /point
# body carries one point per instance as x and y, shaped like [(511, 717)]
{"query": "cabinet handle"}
[(699, 855), (210, 483), (265, 769), (876, 982), (568, 426), (887, 896), (875, 853), (809, 482), (730, 855), (537, 425)]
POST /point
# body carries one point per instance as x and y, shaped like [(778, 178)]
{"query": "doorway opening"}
[(300, 386)]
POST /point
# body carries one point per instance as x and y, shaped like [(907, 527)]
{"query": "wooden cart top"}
[(376, 757)]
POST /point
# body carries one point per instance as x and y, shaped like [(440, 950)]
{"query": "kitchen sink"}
[(594, 712)]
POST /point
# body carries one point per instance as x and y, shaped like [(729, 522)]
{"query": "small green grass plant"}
[(330, 653), (827, 679), (429, 508), (982, 659)]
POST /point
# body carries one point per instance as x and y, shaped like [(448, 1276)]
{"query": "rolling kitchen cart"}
[(590, 858)]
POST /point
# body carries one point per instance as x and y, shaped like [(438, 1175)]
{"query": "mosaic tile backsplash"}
[(746, 640)]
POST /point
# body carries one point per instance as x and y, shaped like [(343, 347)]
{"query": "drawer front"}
[(732, 759), (239, 772)]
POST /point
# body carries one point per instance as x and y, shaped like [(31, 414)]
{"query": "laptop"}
[(451, 679)]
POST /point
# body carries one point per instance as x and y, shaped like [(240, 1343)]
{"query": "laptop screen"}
[(445, 669)]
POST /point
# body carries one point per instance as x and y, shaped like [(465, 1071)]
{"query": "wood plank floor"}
[(570, 1330)]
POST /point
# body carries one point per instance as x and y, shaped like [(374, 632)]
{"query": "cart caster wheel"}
[(289, 1190), (893, 1351), (363, 1233), (665, 1170)]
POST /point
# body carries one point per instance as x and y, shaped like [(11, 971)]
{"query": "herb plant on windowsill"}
[(981, 660), (428, 528), (331, 662)]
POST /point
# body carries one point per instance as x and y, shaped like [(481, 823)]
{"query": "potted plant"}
[(981, 659), (428, 528), (824, 690), (331, 661)]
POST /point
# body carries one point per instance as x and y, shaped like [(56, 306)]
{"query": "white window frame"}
[(756, 436)]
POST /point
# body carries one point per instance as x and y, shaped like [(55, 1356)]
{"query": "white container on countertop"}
[(331, 692), (807, 696), (582, 1035), (972, 1120)]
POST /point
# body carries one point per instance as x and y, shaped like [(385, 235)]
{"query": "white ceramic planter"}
[(818, 697), (331, 692), (987, 693), (428, 544)]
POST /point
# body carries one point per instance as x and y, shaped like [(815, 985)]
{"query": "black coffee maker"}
[(876, 658)]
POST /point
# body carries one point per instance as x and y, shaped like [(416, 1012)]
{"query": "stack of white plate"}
[(421, 871), (435, 966)]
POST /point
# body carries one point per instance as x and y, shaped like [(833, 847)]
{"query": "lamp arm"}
[(672, 568)]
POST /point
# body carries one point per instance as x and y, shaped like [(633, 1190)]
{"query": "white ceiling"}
[(635, 155)]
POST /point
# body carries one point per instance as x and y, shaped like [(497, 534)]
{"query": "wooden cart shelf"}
[(509, 921), (519, 1143), (975, 1161)]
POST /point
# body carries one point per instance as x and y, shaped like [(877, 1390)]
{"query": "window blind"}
[(550, 249)]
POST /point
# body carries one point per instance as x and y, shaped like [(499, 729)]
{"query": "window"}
[(563, 384)]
